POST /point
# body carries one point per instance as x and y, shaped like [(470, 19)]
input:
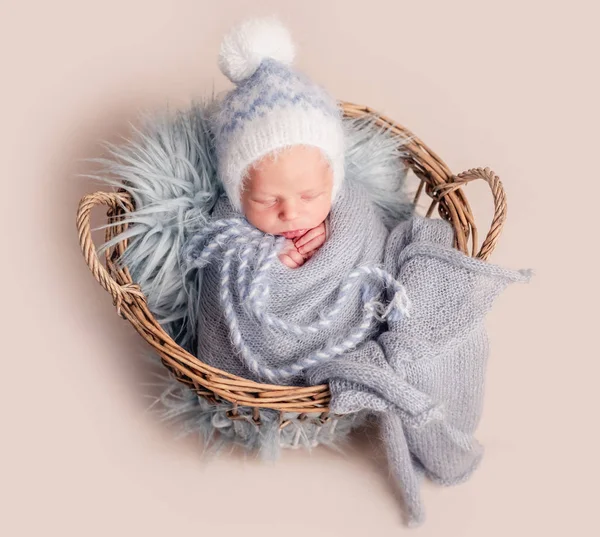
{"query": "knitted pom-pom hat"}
[(271, 107)]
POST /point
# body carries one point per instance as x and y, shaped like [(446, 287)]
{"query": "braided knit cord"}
[(257, 252)]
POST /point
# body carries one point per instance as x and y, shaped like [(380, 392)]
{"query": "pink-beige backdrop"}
[(512, 85)]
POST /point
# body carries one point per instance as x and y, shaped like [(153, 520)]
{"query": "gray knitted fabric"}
[(424, 375), (301, 296)]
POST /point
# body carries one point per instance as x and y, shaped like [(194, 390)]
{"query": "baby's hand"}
[(296, 253), (311, 241), (290, 256)]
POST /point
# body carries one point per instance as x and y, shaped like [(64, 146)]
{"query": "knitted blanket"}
[(392, 321), (261, 320), (424, 375)]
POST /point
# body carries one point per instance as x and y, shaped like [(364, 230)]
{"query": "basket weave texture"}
[(446, 193)]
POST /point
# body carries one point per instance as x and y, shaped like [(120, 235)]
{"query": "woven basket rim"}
[(447, 195)]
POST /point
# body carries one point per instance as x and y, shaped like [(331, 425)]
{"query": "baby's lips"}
[(294, 234)]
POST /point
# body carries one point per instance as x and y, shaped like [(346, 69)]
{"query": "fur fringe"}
[(193, 415), (169, 169)]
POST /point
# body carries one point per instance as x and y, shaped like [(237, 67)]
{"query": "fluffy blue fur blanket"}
[(169, 170)]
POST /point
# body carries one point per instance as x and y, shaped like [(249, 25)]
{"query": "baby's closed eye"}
[(265, 202), (312, 196)]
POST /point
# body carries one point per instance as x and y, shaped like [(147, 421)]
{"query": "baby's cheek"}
[(261, 220)]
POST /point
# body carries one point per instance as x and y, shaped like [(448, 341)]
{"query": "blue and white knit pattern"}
[(225, 239), (273, 85), (272, 107)]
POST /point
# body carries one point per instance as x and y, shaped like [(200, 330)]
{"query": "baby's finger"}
[(312, 245), (309, 236), (296, 256), (288, 261)]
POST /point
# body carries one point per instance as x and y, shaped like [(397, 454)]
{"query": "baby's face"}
[(289, 194)]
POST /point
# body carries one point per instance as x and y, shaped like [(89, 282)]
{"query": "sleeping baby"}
[(279, 140), (285, 258)]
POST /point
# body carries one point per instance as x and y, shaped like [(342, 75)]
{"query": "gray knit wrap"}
[(264, 321), (421, 372), (424, 376)]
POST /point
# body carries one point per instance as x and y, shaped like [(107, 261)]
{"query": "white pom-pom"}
[(247, 45)]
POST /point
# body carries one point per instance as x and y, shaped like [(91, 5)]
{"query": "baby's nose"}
[(288, 212)]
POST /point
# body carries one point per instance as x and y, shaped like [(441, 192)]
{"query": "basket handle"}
[(125, 293), (120, 293), (473, 174)]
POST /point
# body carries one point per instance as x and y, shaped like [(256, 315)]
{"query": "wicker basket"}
[(446, 193)]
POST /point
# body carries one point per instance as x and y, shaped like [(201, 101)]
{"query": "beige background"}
[(512, 85)]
